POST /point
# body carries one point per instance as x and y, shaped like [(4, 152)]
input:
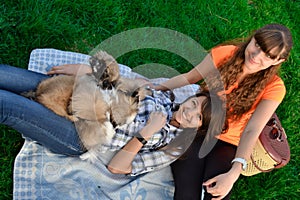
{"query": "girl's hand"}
[(70, 69), (156, 121), (220, 185), (121, 163)]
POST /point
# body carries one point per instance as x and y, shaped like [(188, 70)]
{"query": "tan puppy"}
[(96, 102), (100, 111), (55, 94)]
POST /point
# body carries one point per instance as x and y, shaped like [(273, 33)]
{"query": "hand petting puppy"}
[(70, 69)]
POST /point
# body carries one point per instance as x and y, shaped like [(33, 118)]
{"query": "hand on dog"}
[(156, 121), (70, 69)]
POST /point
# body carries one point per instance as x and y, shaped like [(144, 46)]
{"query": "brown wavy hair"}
[(241, 99)]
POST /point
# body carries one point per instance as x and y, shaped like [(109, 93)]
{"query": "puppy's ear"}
[(98, 67)]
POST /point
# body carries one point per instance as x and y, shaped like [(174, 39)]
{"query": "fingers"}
[(156, 121), (219, 197), (212, 189), (70, 69), (56, 70), (155, 115), (210, 183), (158, 117)]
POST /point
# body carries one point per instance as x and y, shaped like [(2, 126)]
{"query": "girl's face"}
[(189, 114), (257, 60)]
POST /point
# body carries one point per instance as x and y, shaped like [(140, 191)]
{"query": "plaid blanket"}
[(41, 174)]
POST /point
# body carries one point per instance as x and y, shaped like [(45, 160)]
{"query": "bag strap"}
[(260, 169)]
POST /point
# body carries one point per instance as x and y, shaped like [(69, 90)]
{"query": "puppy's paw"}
[(143, 92), (140, 93), (109, 131), (85, 156), (72, 118), (90, 156)]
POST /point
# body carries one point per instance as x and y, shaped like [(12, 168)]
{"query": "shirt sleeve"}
[(275, 90), (154, 159), (221, 53), (149, 161)]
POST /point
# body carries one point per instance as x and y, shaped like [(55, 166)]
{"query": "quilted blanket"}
[(41, 174)]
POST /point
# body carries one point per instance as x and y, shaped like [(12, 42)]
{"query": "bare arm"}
[(121, 162), (224, 182), (70, 69), (193, 76)]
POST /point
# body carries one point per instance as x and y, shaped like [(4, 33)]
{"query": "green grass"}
[(81, 25)]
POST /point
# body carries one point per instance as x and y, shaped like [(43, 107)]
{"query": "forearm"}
[(175, 82), (121, 162), (251, 133), (202, 70)]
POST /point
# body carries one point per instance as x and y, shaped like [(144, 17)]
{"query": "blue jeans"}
[(32, 119)]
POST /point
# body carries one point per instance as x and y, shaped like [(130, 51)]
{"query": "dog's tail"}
[(29, 94)]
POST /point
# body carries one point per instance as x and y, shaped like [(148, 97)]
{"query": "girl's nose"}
[(258, 53), (191, 114)]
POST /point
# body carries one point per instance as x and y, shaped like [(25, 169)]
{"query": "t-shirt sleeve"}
[(222, 53), (275, 90)]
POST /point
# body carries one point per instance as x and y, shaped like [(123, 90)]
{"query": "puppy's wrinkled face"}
[(105, 70)]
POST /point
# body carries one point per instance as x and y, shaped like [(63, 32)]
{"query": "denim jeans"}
[(32, 119)]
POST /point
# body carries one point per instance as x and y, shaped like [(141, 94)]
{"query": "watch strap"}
[(141, 139), (242, 161)]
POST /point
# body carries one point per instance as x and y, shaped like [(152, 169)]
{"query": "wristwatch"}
[(242, 161), (141, 139)]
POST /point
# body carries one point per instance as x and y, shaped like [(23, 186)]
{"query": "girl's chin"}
[(251, 68)]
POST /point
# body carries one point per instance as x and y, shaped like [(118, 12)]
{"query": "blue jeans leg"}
[(19, 80), (32, 119)]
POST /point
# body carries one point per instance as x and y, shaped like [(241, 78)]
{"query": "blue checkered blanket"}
[(41, 174)]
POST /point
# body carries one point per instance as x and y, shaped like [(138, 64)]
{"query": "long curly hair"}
[(274, 37)]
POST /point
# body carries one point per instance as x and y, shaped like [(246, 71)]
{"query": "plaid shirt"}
[(149, 157)]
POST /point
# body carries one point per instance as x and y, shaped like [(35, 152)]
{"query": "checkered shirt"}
[(149, 157)]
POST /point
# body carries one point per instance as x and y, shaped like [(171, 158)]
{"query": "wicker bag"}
[(271, 150)]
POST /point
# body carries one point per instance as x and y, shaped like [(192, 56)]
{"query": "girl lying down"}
[(160, 133), (141, 145)]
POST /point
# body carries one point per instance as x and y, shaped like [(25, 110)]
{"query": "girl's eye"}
[(270, 56), (194, 103), (257, 45), (200, 117)]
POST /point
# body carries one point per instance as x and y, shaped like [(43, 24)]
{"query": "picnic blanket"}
[(41, 174)]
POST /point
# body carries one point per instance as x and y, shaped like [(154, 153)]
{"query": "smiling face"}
[(189, 114), (256, 59)]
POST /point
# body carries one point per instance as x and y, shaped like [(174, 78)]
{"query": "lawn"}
[(81, 25)]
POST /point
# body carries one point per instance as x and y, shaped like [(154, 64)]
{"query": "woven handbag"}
[(271, 150)]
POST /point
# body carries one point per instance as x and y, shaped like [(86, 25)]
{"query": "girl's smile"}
[(189, 114)]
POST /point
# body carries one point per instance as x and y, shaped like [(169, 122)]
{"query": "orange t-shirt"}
[(275, 90)]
